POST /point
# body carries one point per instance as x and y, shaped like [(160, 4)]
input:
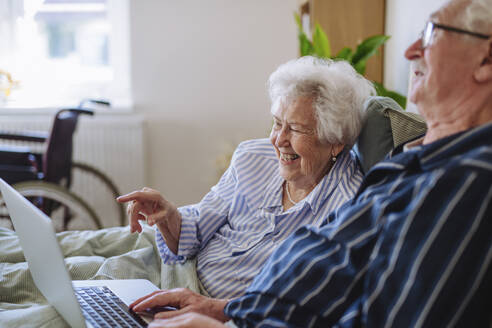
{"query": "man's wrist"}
[(218, 309)]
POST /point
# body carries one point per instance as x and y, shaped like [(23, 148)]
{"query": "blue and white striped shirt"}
[(412, 249), (238, 224)]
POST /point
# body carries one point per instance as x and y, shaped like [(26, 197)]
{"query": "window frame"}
[(119, 89)]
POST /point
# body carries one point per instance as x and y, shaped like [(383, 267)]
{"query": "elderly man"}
[(414, 247)]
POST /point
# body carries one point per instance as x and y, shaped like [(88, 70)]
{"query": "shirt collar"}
[(411, 145), (436, 153), (272, 196), (273, 192), (325, 188)]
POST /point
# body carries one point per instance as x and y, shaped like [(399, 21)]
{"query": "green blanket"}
[(111, 253)]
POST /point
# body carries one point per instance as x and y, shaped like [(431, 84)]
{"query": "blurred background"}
[(186, 79)]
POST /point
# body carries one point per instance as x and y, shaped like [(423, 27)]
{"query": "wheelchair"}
[(46, 178)]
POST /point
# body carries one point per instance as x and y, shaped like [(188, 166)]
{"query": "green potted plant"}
[(320, 46)]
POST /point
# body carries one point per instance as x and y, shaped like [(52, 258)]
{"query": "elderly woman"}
[(272, 187)]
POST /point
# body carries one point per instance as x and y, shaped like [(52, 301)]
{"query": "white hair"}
[(337, 91), (477, 16)]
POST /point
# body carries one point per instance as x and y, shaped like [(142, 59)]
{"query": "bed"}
[(110, 253)]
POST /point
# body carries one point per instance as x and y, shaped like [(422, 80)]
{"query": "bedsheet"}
[(110, 253)]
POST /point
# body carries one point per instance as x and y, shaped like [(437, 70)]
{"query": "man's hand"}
[(184, 300), (148, 204), (187, 320)]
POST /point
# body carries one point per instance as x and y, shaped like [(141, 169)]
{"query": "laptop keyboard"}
[(102, 308)]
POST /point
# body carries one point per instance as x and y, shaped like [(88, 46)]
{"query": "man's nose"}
[(414, 51)]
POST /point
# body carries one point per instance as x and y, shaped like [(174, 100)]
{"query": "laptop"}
[(45, 260)]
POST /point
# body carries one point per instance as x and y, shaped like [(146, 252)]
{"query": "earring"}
[(334, 159)]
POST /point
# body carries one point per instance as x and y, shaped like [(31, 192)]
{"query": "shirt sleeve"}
[(200, 221)]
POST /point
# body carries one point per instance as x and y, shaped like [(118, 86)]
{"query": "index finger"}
[(161, 298), (138, 195), (143, 298)]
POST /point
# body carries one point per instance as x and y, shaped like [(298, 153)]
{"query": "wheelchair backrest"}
[(57, 160)]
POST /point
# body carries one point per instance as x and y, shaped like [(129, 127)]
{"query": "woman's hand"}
[(187, 320), (148, 204), (184, 300)]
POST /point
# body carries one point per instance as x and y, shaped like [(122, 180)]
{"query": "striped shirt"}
[(412, 249), (238, 224)]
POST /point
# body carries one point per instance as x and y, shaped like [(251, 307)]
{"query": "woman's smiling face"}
[(303, 158)]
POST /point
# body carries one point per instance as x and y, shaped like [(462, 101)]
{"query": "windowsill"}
[(26, 108)]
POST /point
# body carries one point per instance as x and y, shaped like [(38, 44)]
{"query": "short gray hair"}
[(477, 16), (337, 91)]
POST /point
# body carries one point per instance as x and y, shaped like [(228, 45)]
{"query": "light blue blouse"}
[(238, 224)]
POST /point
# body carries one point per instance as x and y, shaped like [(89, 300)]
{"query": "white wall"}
[(198, 77), (404, 21), (199, 70)]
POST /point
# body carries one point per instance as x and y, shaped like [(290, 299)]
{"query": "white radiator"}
[(111, 143)]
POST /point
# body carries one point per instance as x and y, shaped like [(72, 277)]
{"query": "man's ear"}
[(484, 72)]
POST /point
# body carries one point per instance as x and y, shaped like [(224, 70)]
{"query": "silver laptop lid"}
[(44, 257)]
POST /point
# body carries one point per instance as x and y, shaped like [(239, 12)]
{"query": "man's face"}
[(443, 71)]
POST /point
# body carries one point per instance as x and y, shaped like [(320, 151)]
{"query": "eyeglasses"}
[(426, 35)]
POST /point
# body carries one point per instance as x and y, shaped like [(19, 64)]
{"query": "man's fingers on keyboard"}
[(141, 299)]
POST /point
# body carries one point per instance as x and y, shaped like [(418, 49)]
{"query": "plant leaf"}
[(382, 91), (321, 43), (305, 45), (345, 54), (298, 21), (360, 66), (368, 48)]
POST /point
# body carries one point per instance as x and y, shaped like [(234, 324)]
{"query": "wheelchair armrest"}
[(17, 155), (35, 136), (18, 164)]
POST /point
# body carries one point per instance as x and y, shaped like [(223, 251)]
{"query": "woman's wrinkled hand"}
[(149, 205), (184, 300), (187, 320)]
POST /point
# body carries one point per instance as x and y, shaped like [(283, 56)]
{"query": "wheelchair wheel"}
[(99, 192), (67, 210)]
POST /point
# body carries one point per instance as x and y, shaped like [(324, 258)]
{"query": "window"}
[(62, 51)]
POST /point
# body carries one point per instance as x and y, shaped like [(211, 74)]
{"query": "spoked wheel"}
[(99, 192), (67, 210)]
